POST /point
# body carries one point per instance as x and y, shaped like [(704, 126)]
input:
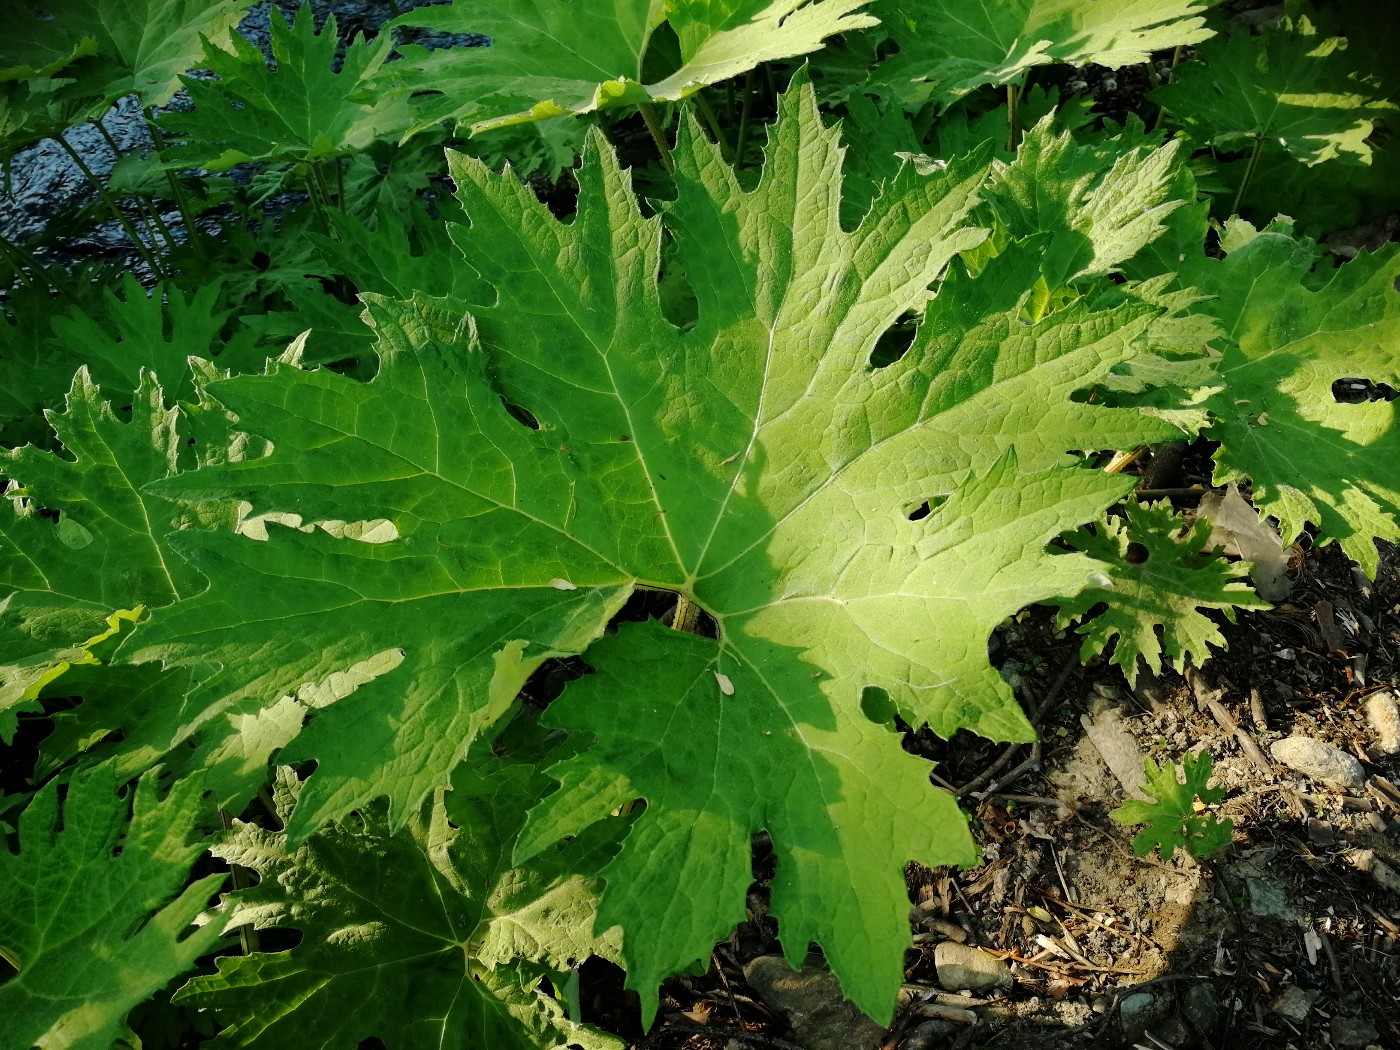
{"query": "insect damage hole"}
[(1353, 390), (895, 342), (920, 511), (521, 415)]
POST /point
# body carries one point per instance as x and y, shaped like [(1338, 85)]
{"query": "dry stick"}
[(1210, 700), (111, 203), (987, 774)]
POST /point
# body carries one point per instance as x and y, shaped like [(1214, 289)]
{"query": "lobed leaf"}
[(1159, 579), (94, 909), (312, 104), (550, 59), (1290, 86), (417, 545), (951, 47), (424, 937)]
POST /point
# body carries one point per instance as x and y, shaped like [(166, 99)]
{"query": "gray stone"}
[(962, 968), (1383, 716), (1135, 1005), (1294, 1003), (1351, 1032), (1200, 1007), (930, 1035), (810, 1001), (1267, 899), (1319, 761), (1118, 749)]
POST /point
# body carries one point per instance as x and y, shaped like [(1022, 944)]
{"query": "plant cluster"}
[(820, 351)]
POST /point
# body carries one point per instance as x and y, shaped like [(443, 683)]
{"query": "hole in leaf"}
[(521, 415), (877, 706), (1355, 390), (920, 511), (1137, 554), (896, 340)]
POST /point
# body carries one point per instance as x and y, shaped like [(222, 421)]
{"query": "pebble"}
[(1294, 1003), (963, 968), (1350, 1032), (1199, 1005), (1383, 716), (1319, 761)]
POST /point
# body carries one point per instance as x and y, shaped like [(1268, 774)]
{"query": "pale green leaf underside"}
[(547, 59), (96, 914), (753, 462)]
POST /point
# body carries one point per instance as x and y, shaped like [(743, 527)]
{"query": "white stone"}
[(1383, 715), (1319, 761)]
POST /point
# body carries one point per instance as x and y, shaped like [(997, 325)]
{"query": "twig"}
[(1209, 699)]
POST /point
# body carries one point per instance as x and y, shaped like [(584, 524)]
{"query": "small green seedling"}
[(1172, 821)]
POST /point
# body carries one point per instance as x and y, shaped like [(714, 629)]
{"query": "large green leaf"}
[(82, 546), (312, 104), (109, 48), (550, 58), (1290, 87), (94, 910), (511, 480), (951, 47), (424, 937)]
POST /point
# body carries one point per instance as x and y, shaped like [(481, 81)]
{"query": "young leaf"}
[(1099, 204), (94, 908), (952, 47), (1158, 580), (1290, 86), (1172, 819), (434, 916), (527, 478), (304, 108), (549, 58)]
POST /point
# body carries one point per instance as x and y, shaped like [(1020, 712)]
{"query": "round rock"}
[(1319, 761)]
